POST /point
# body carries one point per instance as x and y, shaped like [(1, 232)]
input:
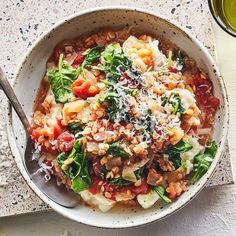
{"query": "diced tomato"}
[(214, 102), (84, 89), (48, 132), (95, 188), (142, 189), (59, 122), (65, 141), (204, 92), (173, 69), (45, 132), (78, 60), (35, 134), (58, 127), (57, 130)]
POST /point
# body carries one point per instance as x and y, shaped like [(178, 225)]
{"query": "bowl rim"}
[(220, 22), (198, 186)]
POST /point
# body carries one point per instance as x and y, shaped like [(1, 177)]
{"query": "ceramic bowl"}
[(32, 70)]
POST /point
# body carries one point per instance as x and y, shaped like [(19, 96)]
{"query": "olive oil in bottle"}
[(226, 11)]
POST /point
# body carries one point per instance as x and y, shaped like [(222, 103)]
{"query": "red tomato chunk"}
[(65, 141)]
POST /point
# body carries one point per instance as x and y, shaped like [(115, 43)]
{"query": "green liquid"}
[(226, 11)]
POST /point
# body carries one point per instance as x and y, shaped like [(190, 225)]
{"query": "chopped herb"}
[(180, 57), (175, 100), (202, 162), (161, 192), (103, 172)]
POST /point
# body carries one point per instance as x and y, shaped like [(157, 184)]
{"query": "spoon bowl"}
[(59, 194)]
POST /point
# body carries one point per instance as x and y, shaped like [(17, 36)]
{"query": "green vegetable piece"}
[(175, 100), (180, 57), (61, 79), (211, 149), (116, 181), (139, 172), (92, 56), (78, 184), (78, 170), (181, 147), (115, 109), (75, 127), (161, 192), (103, 172), (120, 182), (116, 62), (203, 161), (116, 150), (175, 151), (61, 158), (109, 96), (176, 159)]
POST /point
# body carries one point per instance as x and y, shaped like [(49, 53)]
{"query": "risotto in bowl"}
[(131, 118)]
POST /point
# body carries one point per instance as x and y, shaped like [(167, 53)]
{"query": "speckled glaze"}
[(33, 68)]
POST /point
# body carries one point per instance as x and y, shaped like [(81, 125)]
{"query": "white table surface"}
[(213, 212)]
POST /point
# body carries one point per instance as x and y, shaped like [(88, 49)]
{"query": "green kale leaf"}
[(115, 108), (116, 62), (116, 150), (202, 162), (180, 147), (161, 192), (92, 56), (61, 79), (119, 182), (78, 170), (175, 151), (76, 128), (116, 181)]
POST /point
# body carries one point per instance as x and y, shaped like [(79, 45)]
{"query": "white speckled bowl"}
[(32, 70)]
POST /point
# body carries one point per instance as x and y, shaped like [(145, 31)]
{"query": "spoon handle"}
[(6, 87)]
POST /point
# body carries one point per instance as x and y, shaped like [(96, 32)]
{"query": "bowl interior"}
[(33, 69)]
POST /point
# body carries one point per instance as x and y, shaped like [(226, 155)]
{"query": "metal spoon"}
[(59, 194)]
